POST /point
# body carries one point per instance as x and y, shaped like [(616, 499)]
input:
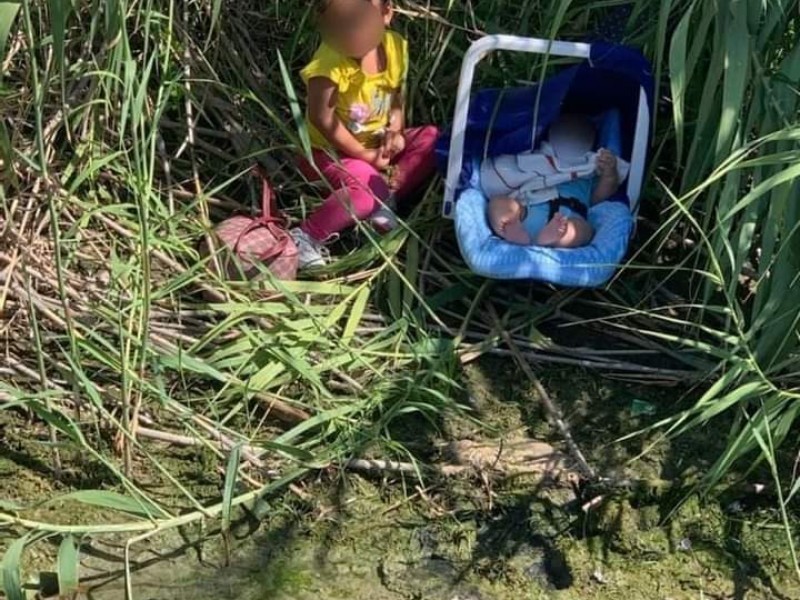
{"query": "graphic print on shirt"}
[(378, 110), (358, 115)]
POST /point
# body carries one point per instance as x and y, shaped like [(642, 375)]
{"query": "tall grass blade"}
[(294, 103), (10, 567), (8, 13), (68, 562), (59, 12), (229, 490), (116, 502), (680, 73)]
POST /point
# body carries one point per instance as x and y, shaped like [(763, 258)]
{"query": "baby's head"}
[(506, 217), (572, 136), (353, 27)]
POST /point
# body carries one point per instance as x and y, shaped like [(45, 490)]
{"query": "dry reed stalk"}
[(551, 408)]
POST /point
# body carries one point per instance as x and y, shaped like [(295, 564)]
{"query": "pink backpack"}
[(248, 241)]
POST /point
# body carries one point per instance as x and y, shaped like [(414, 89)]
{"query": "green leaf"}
[(433, 346), (661, 42), (316, 420), (5, 153), (10, 567), (356, 314), (679, 76), (231, 473), (737, 69), (780, 178), (298, 454), (94, 168), (67, 567), (113, 501), (294, 103), (59, 421), (8, 12), (59, 12), (413, 258), (10, 506), (216, 8)]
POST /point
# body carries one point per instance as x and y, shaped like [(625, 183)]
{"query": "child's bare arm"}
[(394, 141), (322, 95), (397, 118), (608, 180)]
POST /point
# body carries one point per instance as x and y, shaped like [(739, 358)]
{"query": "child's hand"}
[(394, 143), (606, 164), (378, 158)]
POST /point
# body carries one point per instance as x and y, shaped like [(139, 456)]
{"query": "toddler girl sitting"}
[(355, 118), (542, 197)]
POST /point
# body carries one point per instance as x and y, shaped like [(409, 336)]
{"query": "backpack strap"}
[(269, 209), (270, 218)]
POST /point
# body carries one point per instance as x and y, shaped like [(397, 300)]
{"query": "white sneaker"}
[(383, 220), (310, 253)]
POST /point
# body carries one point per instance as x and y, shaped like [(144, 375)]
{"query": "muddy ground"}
[(466, 537)]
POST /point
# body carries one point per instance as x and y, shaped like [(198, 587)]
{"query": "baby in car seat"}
[(542, 197)]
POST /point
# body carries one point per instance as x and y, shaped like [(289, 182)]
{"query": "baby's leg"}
[(417, 163), (358, 188)]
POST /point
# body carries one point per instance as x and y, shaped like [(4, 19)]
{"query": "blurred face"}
[(505, 218), (355, 27), (572, 136)]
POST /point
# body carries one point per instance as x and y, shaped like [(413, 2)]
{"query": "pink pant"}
[(359, 188)]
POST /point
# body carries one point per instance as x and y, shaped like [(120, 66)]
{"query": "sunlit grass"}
[(127, 130)]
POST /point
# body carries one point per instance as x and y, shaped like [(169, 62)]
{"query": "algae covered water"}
[(472, 536)]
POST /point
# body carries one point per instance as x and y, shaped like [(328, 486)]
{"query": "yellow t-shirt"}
[(365, 101)]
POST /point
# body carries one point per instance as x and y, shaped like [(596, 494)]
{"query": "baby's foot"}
[(552, 233)]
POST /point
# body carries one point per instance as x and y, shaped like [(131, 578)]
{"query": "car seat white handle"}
[(476, 53)]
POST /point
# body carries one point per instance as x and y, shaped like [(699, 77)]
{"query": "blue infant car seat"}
[(613, 84)]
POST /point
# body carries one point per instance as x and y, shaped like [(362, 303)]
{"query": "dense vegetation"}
[(128, 127)]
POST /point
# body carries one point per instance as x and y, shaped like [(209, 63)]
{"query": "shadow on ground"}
[(476, 538)]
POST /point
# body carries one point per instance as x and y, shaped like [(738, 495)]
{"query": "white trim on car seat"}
[(476, 53)]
